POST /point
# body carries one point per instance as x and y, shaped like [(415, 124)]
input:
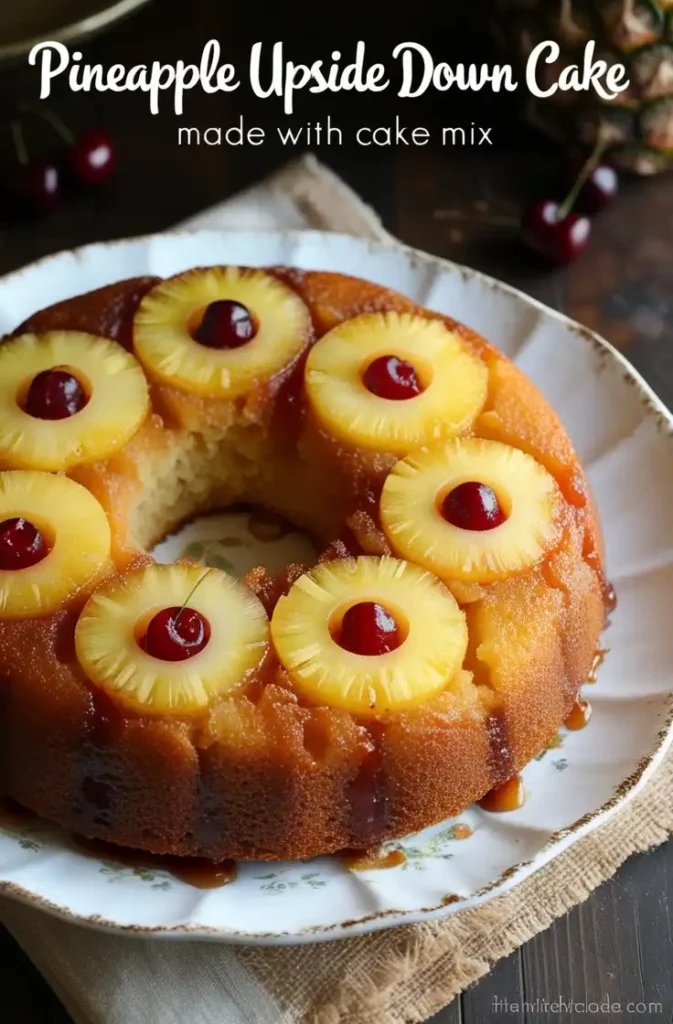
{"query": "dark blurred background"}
[(159, 183)]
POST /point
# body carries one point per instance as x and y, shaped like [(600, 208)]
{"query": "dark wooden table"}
[(619, 944)]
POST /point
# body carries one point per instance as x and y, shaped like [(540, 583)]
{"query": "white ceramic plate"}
[(623, 435)]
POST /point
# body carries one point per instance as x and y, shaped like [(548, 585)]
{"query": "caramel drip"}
[(288, 389), (579, 716), (610, 602), (507, 797), (209, 820), (599, 658), (94, 805), (368, 797), (461, 831), (203, 875), (499, 750), (5, 697), (197, 872), (374, 859)]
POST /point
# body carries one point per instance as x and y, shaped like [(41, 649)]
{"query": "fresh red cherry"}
[(37, 187), (367, 628), (175, 634), (21, 544), (55, 395), (599, 190), (473, 506), (225, 324), (393, 378), (92, 158), (559, 238)]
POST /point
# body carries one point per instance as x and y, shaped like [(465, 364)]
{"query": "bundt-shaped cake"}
[(434, 648)]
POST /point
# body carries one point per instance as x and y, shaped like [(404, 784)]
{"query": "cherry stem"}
[(480, 217), (56, 122), (190, 595), (19, 141), (584, 175)]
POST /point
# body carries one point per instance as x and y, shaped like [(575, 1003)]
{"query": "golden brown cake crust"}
[(262, 774)]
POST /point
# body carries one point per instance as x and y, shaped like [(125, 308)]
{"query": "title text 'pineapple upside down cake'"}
[(433, 650)]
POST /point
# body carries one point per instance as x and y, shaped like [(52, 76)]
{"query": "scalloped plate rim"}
[(559, 840)]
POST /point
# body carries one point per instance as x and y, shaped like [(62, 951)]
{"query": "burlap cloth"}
[(401, 975)]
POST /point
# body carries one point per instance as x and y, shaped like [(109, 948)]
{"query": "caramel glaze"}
[(201, 874), (367, 795), (507, 797), (5, 684), (373, 859), (95, 803), (579, 716), (610, 602), (499, 749), (111, 316), (208, 817), (461, 831), (599, 658)]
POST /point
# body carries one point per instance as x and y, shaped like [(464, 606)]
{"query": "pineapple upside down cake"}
[(433, 649)]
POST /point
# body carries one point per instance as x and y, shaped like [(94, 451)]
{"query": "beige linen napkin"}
[(394, 977)]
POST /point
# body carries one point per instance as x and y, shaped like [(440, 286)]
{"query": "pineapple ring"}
[(455, 382), (106, 638), (412, 520), (118, 400), (165, 346), (77, 530), (426, 662)]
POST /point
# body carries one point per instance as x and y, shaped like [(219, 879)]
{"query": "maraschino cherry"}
[(557, 235), (36, 185), (21, 545), (392, 378), (556, 230), (368, 628), (599, 190), (225, 324), (176, 634), (473, 506), (92, 158), (55, 395)]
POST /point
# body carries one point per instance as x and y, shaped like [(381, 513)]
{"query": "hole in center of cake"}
[(238, 540)]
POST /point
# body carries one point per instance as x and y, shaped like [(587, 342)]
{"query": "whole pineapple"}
[(637, 33)]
